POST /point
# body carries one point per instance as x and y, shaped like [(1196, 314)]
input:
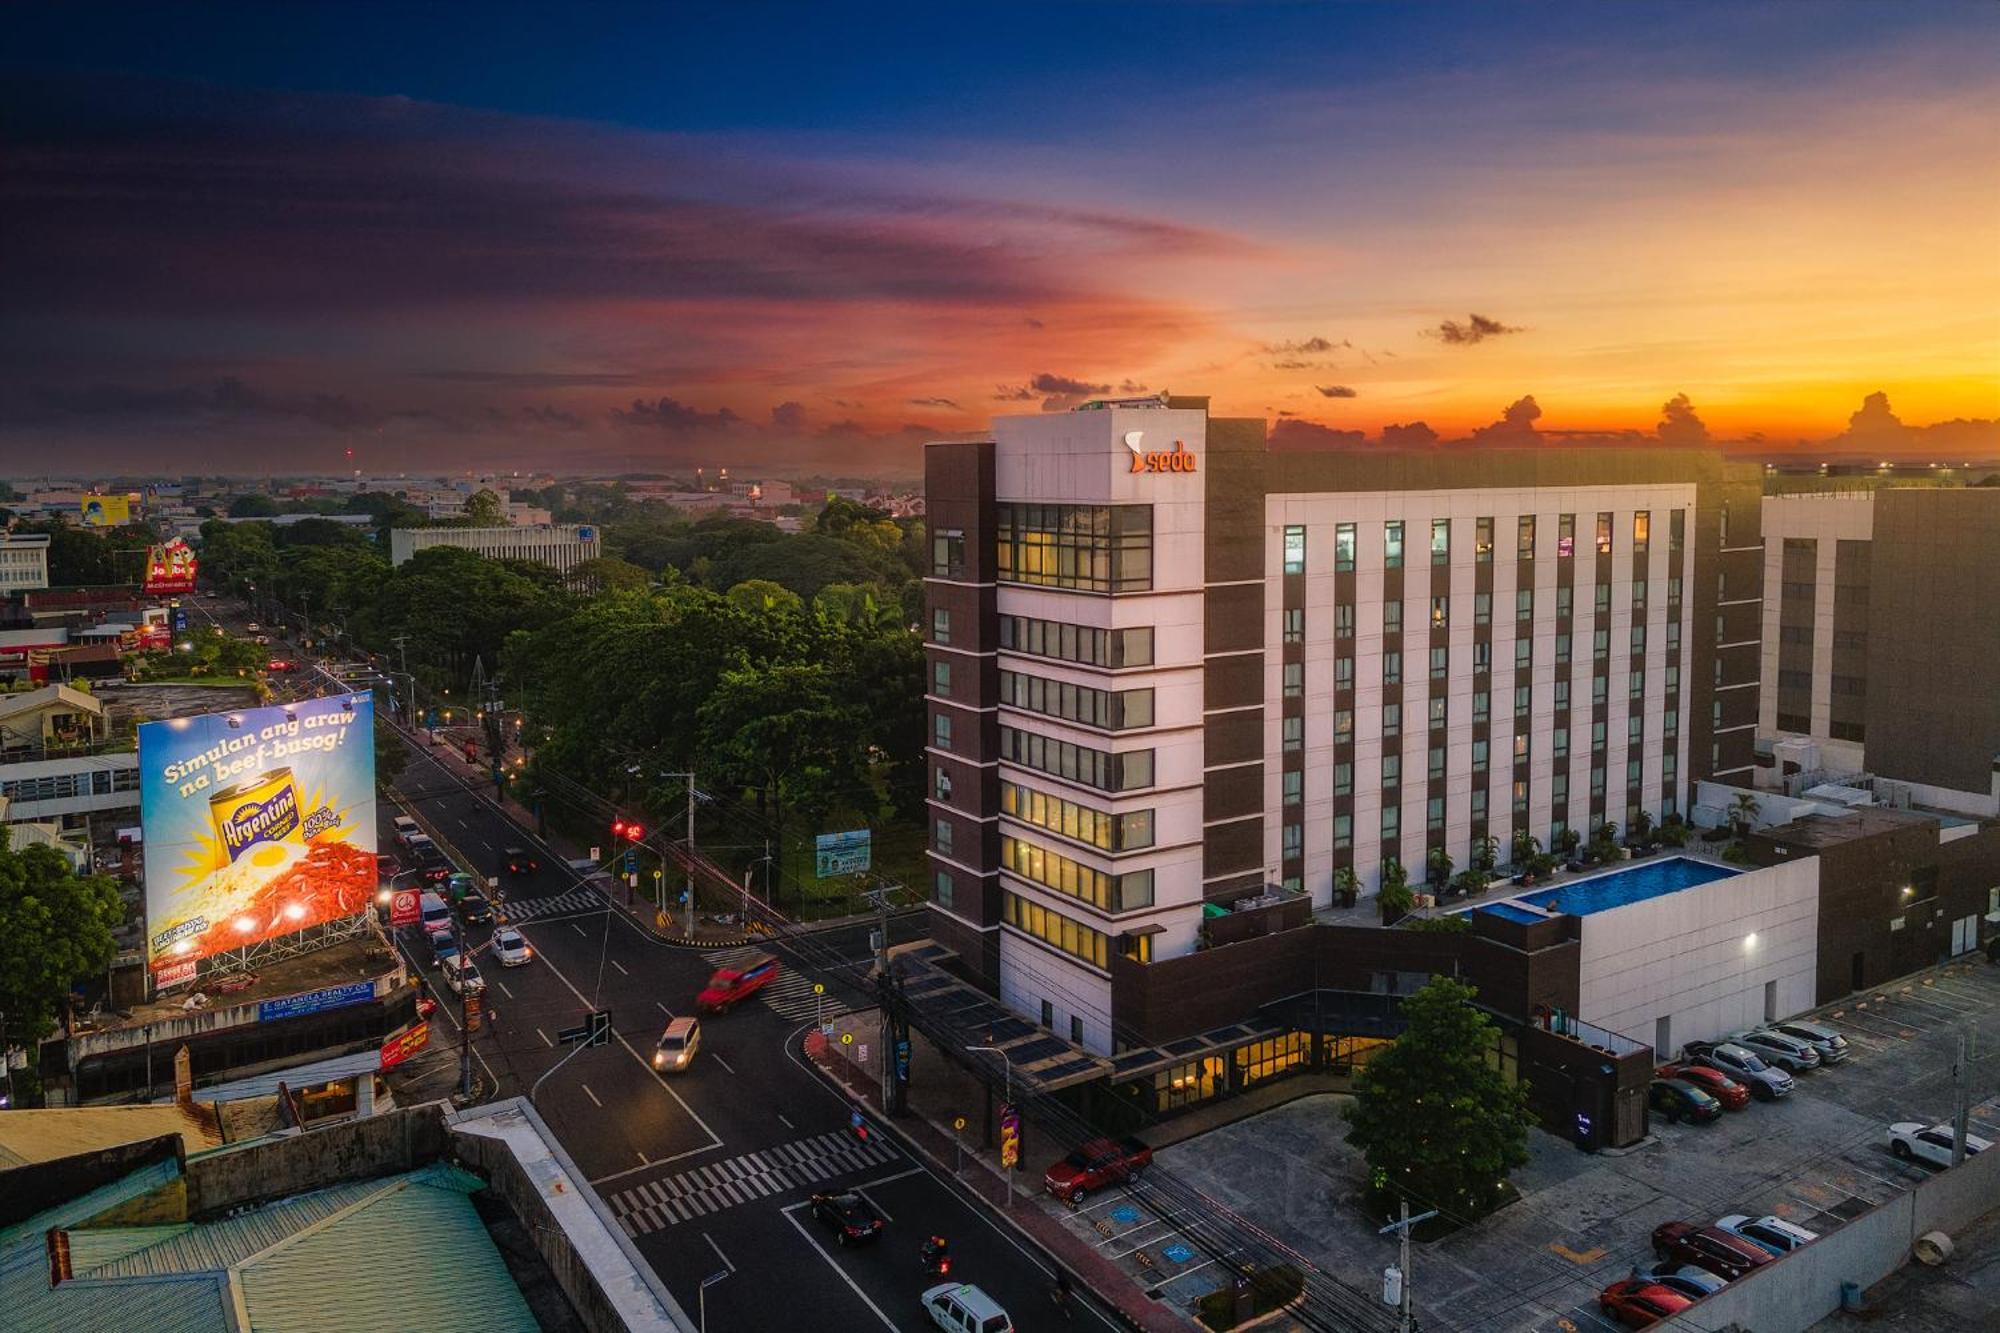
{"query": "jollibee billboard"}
[(258, 823)]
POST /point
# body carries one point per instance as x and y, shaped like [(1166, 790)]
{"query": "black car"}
[(475, 909), (852, 1219), (1679, 1100), (435, 872), (521, 861)]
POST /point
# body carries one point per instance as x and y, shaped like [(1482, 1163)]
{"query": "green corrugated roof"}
[(86, 1206), (217, 1245), (91, 1248), (186, 1303)]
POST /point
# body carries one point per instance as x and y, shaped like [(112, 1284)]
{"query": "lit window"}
[(1295, 549)]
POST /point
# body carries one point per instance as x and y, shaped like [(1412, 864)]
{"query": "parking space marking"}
[(545, 1038), (1589, 1256), (593, 1096), (820, 1250)]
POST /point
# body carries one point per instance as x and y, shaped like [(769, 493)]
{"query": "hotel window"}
[(1392, 770), (1478, 805), (1482, 656), (1138, 948), (1632, 772), (1524, 537), (1565, 536), (1638, 597), (942, 888), (1565, 602), (1052, 870), (1642, 531), (1440, 541), (1077, 643), (1439, 708), (1434, 814), (1524, 604), (1482, 608), (1392, 546), (1603, 604), (1600, 645), (1056, 930), (941, 731), (1440, 663), (1635, 729), (1600, 690), (1343, 832), (1129, 771), (1673, 636), (948, 552), (1295, 680), (941, 785), (1562, 696), (1562, 649), (1596, 784), (1392, 721), (1343, 673), (1267, 1059), (1294, 787), (1670, 723), (1677, 530), (1109, 832), (1559, 744), (1392, 668), (1343, 725), (1559, 795), (1523, 701), (1482, 541), (1343, 620), (1520, 747), (1673, 594), (1436, 772), (1343, 779), (1295, 841), (1479, 756), (941, 679), (1392, 617), (941, 835), (1343, 548), (1637, 688), (1521, 796), (1295, 624), (1524, 654), (1295, 549), (1481, 705), (1090, 548), (1294, 734), (1673, 679), (940, 626), (1604, 532), (1440, 612), (1669, 771), (1597, 736), (1112, 710), (1392, 828), (1638, 641)]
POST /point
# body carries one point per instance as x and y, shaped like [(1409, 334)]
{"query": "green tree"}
[(484, 509), (391, 755), (255, 505), (55, 928), (762, 595), (607, 573), (1437, 1122)]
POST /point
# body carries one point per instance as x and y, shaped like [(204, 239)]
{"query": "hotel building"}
[(1179, 682)]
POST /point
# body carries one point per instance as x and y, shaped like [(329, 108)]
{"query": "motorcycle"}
[(936, 1257)]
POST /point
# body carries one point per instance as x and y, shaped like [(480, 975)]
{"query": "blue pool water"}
[(1615, 888)]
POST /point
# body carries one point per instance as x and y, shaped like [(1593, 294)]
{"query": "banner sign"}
[(1010, 1137), (405, 907), (258, 824), (313, 1002), (843, 853), (406, 1044), (170, 567), (174, 974)]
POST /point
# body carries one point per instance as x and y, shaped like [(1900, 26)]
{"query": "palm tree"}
[(1488, 855), (1526, 847), (1742, 811), (1346, 885), (1439, 866)]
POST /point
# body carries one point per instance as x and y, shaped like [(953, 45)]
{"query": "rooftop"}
[(1819, 830), (45, 1136)]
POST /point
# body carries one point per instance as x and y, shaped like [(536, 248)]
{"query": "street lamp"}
[(1007, 1076), (706, 1283)]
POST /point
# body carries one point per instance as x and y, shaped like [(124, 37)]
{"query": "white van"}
[(677, 1045), (462, 975), (406, 828), (436, 914)]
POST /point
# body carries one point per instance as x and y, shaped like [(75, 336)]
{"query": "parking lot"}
[(1817, 1158)]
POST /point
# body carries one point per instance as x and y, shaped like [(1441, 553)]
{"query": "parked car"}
[(732, 985), (253, 627), (1679, 1100), (1787, 1053), (852, 1219), (1638, 1304), (1733, 1095), (462, 975), (1727, 1256), (1690, 1281), (1096, 1164), (1832, 1047), (1912, 1140), (511, 948), (961, 1307), (281, 666), (1746, 1067), (521, 861), (1773, 1233), (475, 909)]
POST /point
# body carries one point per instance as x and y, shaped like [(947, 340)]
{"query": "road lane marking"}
[(545, 1038), (718, 1251), (593, 1096), (663, 1009), (787, 1124), (501, 984), (621, 968), (578, 929), (820, 1250), (719, 1060)]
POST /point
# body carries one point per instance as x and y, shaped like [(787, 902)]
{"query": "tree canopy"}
[(55, 928)]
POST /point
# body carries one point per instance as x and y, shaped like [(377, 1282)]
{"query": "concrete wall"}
[(1803, 1287), (1702, 958), (355, 1150)]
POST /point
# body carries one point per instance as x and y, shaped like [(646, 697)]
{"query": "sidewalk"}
[(941, 1094)]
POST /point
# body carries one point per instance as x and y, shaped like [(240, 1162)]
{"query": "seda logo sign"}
[(1178, 459)]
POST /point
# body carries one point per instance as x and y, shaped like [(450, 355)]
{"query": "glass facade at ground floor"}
[(1219, 1074)]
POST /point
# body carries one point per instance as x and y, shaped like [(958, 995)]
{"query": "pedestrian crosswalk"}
[(579, 899), (694, 1193), (791, 995)]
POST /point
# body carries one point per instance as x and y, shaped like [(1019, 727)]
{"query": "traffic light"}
[(618, 828), (635, 832)]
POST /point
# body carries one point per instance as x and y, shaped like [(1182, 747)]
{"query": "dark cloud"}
[(1679, 424), (673, 417), (544, 417), (1314, 346), (789, 416), (1295, 365), (1132, 387), (1876, 421), (1409, 435), (1292, 433), (1013, 393), (1064, 384), (225, 399), (1476, 329), (1034, 323), (1515, 426), (1336, 391), (945, 403), (531, 379)]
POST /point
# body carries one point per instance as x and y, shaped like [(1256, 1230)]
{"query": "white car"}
[(1913, 1140), (960, 1307), (1771, 1233), (510, 947), (462, 976)]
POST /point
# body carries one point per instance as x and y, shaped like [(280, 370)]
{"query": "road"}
[(711, 1171)]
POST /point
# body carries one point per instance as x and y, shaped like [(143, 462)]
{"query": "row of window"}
[(1113, 710), (1054, 929), (1482, 610), (67, 786), (1090, 548), (1292, 836), (1344, 539), (1077, 643), (1129, 771), (1293, 729), (1294, 673), (1112, 833), (1052, 870)]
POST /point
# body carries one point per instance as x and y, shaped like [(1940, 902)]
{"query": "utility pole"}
[(464, 1028), (1400, 1288), (1961, 1095), (690, 857)]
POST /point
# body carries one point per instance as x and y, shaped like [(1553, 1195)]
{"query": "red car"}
[(280, 664), (1096, 1164), (1733, 1095), (1636, 1303), (730, 985), (1728, 1257)]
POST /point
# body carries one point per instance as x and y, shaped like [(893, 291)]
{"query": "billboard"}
[(842, 853), (104, 511), (170, 567), (257, 823)]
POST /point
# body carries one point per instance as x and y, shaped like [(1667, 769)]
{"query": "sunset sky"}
[(810, 237)]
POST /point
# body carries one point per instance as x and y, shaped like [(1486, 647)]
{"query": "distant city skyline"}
[(251, 239)]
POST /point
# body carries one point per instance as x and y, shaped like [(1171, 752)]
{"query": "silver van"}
[(677, 1045), (436, 914)]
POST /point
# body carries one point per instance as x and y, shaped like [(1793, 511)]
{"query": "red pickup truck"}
[(730, 985), (1096, 1164)]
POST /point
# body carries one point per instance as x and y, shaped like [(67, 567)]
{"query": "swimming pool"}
[(1616, 888)]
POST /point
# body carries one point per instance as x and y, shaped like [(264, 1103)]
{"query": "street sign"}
[(903, 1060), (405, 908), (842, 853), (401, 1047), (1010, 1137), (475, 1005), (958, 1123), (580, 1032), (631, 863), (600, 1028)]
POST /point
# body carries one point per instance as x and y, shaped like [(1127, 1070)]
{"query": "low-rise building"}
[(24, 561), (561, 546)]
